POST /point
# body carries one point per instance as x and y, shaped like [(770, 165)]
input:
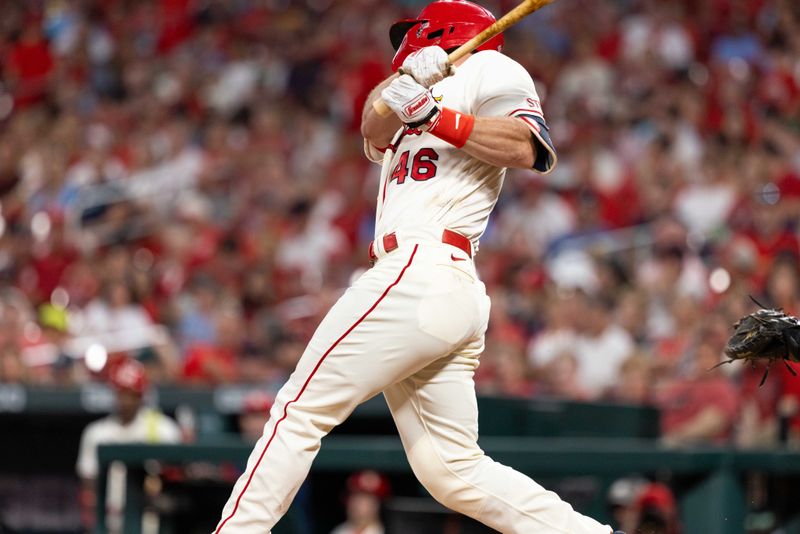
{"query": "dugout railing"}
[(712, 479)]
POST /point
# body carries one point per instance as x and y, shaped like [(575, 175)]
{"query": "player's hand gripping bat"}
[(506, 21)]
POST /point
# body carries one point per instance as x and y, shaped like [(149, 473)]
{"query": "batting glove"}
[(428, 65), (410, 101)]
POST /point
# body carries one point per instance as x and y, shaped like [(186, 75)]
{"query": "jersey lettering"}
[(401, 169), (534, 104), (423, 166)]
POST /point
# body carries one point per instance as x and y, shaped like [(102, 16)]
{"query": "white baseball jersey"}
[(428, 181), (149, 426)]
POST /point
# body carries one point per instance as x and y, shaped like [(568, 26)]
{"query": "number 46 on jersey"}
[(423, 166)]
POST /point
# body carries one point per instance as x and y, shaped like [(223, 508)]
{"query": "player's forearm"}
[(376, 129), (501, 141)]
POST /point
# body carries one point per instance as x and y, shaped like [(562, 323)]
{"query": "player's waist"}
[(390, 241)]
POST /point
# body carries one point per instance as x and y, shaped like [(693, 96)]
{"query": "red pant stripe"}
[(286, 408)]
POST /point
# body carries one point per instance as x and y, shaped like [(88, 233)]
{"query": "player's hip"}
[(436, 276), (416, 299), (425, 261), (439, 242)]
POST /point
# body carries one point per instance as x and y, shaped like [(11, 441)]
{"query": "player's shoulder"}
[(495, 65), (494, 60), (100, 427), (168, 428)]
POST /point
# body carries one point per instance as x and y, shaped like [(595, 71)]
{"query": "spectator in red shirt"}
[(216, 362), (702, 407), (29, 64), (758, 422), (789, 405)]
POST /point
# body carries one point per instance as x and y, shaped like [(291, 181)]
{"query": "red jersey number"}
[(423, 166), (401, 169)]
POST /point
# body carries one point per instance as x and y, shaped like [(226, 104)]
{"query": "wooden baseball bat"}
[(506, 21)]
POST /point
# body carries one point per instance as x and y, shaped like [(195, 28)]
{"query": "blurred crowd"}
[(182, 181)]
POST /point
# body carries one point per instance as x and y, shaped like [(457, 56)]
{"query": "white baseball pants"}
[(412, 327)]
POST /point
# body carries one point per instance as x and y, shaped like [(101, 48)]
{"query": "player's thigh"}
[(382, 329), (438, 404)]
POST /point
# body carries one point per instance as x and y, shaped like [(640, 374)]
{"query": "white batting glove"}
[(410, 101), (428, 65)]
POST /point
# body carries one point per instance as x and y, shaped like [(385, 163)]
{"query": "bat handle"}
[(381, 108)]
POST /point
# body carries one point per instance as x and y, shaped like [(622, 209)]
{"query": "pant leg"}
[(437, 416), (376, 334)]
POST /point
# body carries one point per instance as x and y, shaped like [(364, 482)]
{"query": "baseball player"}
[(413, 325), (131, 422)]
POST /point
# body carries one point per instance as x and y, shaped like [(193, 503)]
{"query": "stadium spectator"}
[(703, 406), (635, 384), (365, 492), (254, 415), (656, 511), (621, 500), (216, 362), (759, 422), (184, 157), (505, 372), (562, 379), (131, 422), (601, 335)]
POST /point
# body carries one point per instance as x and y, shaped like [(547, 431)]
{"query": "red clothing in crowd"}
[(29, 63), (791, 389), (766, 396), (685, 400), (209, 364)]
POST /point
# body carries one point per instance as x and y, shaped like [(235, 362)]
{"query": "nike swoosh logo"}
[(458, 118), (455, 258)]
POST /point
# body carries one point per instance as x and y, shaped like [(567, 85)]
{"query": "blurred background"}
[(182, 184)]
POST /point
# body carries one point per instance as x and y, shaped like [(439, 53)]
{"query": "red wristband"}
[(452, 126)]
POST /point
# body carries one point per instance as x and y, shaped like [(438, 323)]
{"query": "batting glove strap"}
[(431, 117), (452, 126)]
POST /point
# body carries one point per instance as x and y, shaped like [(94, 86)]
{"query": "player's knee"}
[(447, 480), (440, 483)]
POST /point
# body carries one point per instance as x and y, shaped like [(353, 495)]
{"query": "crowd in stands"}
[(183, 182)]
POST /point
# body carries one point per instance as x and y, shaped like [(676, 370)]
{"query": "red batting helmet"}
[(129, 375), (446, 23)]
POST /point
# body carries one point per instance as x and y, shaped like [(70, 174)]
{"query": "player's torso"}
[(425, 180)]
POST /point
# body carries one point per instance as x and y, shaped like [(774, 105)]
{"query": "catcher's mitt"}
[(766, 334)]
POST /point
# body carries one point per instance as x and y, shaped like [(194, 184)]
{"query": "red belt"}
[(449, 237)]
